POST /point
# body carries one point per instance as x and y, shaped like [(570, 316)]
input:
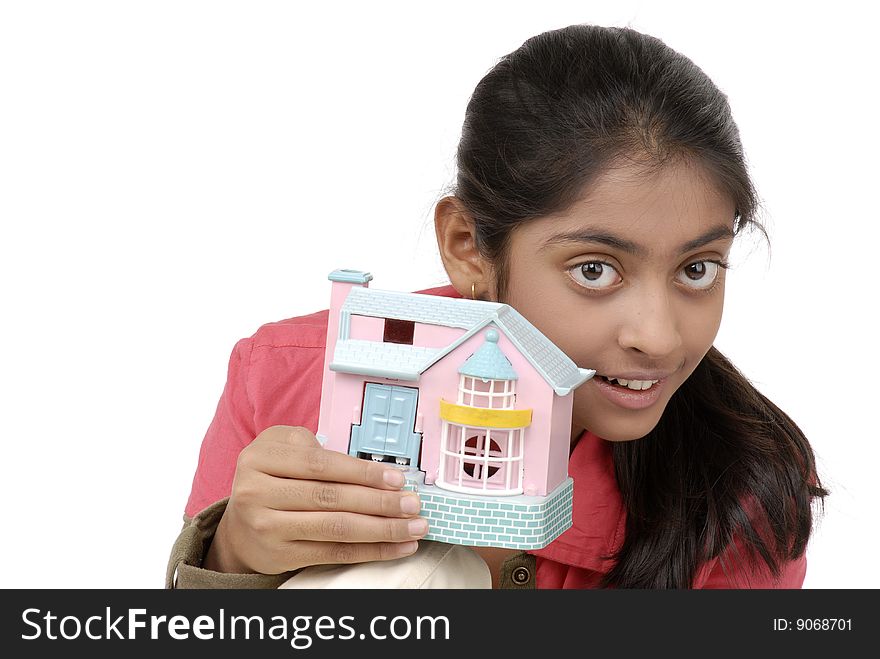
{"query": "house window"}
[(399, 331), (493, 394), (488, 460), (478, 456)]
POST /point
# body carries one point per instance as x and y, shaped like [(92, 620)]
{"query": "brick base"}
[(514, 522)]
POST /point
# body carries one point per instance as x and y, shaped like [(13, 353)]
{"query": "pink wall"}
[(367, 328), (560, 446), (435, 336), (338, 293)]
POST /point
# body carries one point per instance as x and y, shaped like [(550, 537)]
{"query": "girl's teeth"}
[(635, 385)]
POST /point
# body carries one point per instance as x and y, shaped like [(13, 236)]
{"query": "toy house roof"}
[(407, 362), (489, 362)]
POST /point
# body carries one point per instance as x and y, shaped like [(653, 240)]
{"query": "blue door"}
[(387, 422)]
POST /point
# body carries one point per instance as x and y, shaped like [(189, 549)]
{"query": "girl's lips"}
[(629, 398)]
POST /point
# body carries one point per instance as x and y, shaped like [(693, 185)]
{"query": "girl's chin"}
[(618, 422), (609, 437), (623, 430)]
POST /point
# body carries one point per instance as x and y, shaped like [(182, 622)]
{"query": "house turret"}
[(487, 378), (482, 434)]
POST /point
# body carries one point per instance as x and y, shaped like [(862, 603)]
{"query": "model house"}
[(466, 396)]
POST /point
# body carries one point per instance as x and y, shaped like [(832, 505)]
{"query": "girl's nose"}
[(651, 326)]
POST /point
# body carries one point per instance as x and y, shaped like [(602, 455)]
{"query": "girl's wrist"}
[(219, 558)]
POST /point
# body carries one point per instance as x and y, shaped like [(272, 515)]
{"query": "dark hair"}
[(723, 461)]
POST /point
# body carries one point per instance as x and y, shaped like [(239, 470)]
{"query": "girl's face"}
[(628, 282)]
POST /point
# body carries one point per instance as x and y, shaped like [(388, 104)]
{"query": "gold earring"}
[(473, 290)]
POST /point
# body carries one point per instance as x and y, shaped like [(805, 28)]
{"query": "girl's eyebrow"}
[(588, 235)]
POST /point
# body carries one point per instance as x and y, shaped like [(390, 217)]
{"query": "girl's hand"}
[(295, 504)]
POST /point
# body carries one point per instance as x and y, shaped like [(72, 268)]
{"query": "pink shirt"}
[(274, 378)]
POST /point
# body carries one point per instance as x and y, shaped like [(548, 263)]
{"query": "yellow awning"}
[(479, 417)]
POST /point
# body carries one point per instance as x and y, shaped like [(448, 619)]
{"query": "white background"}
[(175, 174)]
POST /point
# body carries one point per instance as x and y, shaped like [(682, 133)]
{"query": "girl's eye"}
[(595, 274), (700, 274)]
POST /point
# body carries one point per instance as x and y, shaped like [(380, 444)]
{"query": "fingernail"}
[(405, 548), (410, 505), (393, 478), (418, 527)]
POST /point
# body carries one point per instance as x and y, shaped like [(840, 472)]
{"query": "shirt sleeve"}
[(185, 569), (230, 431)]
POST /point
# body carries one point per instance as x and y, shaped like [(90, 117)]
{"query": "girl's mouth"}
[(630, 394)]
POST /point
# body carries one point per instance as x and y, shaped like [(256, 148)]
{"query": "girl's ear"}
[(469, 272)]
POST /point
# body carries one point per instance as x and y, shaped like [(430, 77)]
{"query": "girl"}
[(601, 183)]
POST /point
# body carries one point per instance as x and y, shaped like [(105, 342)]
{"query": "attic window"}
[(399, 331)]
